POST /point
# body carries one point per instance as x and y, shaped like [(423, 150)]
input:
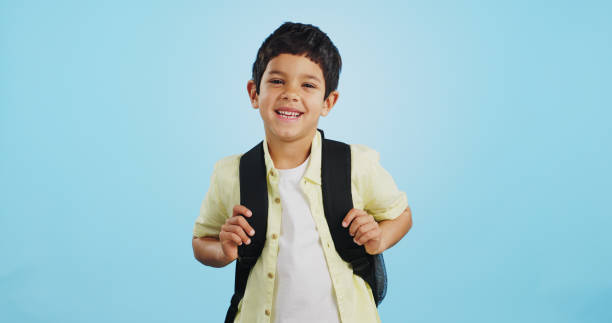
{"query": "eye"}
[(276, 81), (309, 85)]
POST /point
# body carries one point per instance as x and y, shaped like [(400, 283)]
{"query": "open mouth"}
[(288, 115)]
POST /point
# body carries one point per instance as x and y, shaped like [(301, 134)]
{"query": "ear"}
[(329, 103), (253, 96)]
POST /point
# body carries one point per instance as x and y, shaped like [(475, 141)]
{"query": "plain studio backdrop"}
[(493, 117)]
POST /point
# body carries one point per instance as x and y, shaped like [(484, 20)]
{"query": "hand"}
[(364, 229), (234, 232)]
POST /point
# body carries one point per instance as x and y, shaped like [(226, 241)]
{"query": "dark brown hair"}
[(300, 39)]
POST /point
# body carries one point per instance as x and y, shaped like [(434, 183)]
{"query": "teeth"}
[(289, 114)]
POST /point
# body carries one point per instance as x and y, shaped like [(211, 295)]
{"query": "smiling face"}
[(291, 97)]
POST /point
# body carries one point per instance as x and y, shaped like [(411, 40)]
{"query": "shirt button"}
[(277, 200), (267, 312), (273, 173), (274, 236), (270, 275)]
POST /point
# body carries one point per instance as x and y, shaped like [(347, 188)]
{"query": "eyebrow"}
[(309, 76)]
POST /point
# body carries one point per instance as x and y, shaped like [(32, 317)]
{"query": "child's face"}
[(290, 98)]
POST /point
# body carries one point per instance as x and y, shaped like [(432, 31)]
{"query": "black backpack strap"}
[(253, 195), (337, 202)]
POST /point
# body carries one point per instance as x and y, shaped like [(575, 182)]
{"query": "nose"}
[(291, 92)]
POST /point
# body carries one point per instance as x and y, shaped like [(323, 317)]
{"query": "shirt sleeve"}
[(381, 197), (212, 211)]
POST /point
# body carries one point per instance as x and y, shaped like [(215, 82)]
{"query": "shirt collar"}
[(313, 170)]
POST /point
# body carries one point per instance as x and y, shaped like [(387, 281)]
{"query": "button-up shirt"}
[(373, 190)]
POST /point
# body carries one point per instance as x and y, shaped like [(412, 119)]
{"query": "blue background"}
[(493, 117)]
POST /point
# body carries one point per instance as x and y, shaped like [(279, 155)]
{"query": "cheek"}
[(316, 101), (265, 99), (321, 106)]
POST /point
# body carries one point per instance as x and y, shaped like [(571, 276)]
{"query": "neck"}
[(289, 154)]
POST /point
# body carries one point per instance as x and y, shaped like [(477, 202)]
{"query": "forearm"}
[(208, 251), (394, 230)]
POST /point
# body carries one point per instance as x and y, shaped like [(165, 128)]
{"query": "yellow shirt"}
[(373, 190)]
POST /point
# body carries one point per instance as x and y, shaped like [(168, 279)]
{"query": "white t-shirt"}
[(304, 292)]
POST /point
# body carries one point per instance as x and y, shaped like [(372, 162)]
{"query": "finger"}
[(235, 229), (359, 221), (365, 228), (350, 216), (226, 236), (365, 238), (241, 210), (242, 222)]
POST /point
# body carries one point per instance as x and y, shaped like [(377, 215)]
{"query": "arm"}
[(377, 236), (385, 216), (394, 230), (208, 251), (219, 252)]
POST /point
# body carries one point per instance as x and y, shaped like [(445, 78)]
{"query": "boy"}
[(299, 276)]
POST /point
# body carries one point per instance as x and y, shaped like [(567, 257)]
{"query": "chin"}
[(286, 134)]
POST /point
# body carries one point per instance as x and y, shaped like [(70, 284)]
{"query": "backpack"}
[(337, 202)]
